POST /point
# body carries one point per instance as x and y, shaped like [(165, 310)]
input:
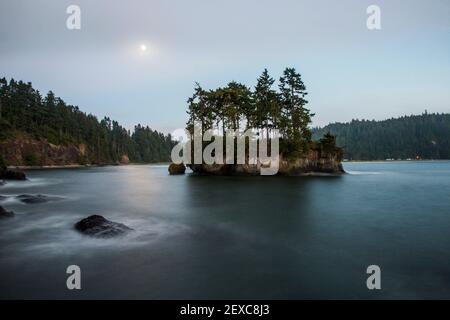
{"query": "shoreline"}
[(372, 161), (67, 166), (78, 166)]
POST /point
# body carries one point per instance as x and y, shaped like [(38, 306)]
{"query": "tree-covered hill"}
[(48, 127), (426, 136)]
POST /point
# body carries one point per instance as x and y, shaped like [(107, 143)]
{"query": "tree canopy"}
[(262, 109)]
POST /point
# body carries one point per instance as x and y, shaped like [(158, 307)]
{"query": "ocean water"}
[(199, 237)]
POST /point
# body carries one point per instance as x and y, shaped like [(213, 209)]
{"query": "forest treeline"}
[(425, 136), (23, 110)]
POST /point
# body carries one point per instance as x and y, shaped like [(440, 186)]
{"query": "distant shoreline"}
[(403, 160), (78, 166)]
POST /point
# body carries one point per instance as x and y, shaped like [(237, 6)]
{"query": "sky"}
[(350, 72)]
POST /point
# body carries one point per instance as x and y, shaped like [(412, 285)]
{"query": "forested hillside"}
[(426, 136), (49, 131)]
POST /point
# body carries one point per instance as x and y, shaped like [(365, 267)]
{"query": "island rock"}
[(176, 168), (316, 162)]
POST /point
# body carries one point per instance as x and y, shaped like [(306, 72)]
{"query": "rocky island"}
[(267, 114), (316, 162)]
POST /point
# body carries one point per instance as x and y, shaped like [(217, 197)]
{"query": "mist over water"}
[(231, 237)]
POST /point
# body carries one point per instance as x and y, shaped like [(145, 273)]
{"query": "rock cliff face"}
[(315, 162), (29, 152), (25, 151)]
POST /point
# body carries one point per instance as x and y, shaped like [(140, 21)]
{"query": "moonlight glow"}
[(143, 47)]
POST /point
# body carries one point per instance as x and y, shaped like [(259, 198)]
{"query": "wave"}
[(29, 198), (56, 235), (351, 172), (34, 182)]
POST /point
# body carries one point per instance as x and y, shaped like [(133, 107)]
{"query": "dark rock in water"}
[(2, 183), (98, 226), (39, 198), (5, 214), (12, 175), (177, 168), (30, 198)]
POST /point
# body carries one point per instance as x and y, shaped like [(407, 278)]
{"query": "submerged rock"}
[(12, 175), (38, 198), (5, 214), (98, 226), (177, 168)]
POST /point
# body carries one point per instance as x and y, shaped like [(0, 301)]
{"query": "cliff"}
[(30, 152), (314, 162), (27, 151)]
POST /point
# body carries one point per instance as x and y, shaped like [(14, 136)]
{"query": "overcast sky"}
[(350, 72)]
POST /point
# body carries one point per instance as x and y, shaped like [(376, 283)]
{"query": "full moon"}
[(143, 47)]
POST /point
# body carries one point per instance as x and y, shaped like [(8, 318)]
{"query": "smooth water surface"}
[(199, 237)]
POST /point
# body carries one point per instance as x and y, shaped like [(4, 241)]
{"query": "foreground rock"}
[(12, 174), (177, 168), (5, 214), (98, 226)]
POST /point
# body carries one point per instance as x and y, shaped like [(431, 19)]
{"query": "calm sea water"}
[(232, 237)]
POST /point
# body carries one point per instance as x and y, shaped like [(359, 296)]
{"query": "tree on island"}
[(263, 109)]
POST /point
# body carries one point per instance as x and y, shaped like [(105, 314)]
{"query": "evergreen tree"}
[(266, 103), (237, 107), (295, 118), (24, 111)]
